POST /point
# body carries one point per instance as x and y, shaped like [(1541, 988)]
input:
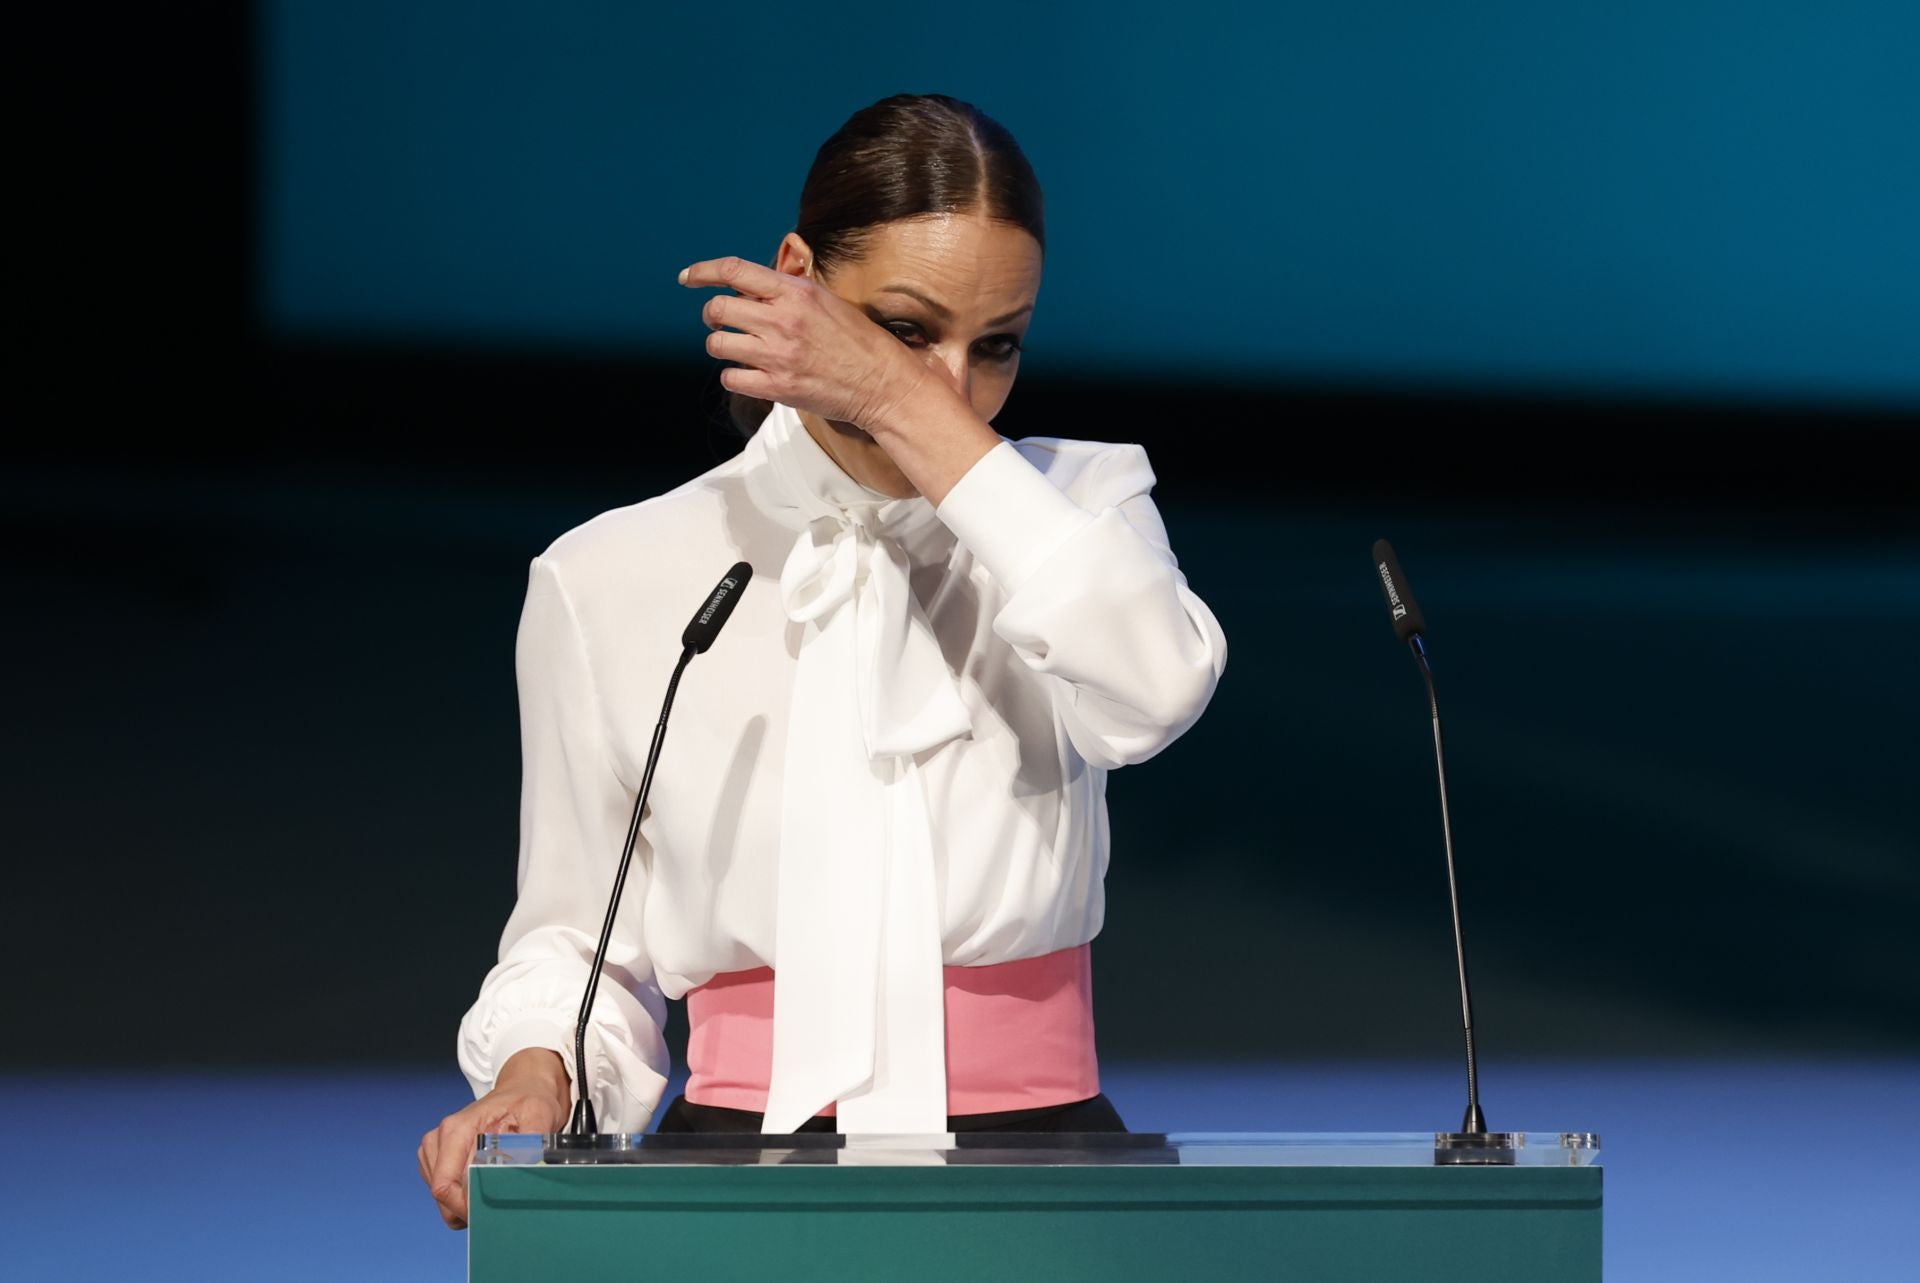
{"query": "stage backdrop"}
[(262, 699), (1707, 200), (1571, 301)]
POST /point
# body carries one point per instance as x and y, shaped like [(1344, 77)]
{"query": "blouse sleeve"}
[(574, 813), (1095, 600)]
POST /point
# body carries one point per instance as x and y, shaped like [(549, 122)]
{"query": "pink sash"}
[(1019, 1036)]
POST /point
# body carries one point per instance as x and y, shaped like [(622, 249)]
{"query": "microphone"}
[(1473, 1143), (713, 616), (583, 1128), (1408, 622)]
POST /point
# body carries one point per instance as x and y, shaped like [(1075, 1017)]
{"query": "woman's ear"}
[(794, 257)]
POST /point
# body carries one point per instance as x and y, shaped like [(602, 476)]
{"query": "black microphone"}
[(583, 1129), (1408, 622), (712, 617), (1473, 1143)]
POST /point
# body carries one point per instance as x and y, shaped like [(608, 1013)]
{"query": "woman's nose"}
[(957, 369)]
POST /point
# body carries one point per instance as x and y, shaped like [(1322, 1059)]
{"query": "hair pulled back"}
[(906, 156)]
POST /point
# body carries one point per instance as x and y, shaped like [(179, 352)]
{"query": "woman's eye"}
[(1001, 347)]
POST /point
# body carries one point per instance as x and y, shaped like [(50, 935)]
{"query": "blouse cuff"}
[(535, 1029), (1009, 516)]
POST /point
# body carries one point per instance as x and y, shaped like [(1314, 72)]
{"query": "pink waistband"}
[(1019, 1036)]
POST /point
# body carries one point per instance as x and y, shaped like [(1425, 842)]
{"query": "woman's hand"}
[(804, 346), (530, 1095)]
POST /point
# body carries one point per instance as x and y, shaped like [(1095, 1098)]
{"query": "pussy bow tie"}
[(859, 990)]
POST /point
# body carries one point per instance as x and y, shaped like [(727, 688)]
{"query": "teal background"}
[(1708, 200)]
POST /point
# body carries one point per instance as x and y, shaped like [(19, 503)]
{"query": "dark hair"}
[(905, 156)]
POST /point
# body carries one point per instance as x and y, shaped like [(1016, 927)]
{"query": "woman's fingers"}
[(446, 1150), (737, 312), (747, 349), (425, 1156), (799, 343), (429, 1149), (447, 1168), (749, 382), (738, 274)]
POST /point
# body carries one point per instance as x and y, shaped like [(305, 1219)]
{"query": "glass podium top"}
[(1033, 1149)]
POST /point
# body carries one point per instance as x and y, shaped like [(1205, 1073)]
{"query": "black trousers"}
[(1095, 1114)]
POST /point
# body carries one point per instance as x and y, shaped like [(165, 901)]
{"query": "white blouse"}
[(893, 759)]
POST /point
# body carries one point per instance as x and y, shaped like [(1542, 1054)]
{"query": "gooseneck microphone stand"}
[(1473, 1143), (1475, 1123), (583, 1122), (583, 1129)]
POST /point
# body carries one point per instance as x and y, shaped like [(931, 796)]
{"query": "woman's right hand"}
[(532, 1094), (799, 343)]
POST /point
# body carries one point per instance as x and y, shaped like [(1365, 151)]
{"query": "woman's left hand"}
[(802, 345)]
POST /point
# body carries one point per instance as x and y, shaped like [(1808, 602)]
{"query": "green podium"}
[(996, 1206)]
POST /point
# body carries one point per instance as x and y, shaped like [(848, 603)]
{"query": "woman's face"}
[(958, 289)]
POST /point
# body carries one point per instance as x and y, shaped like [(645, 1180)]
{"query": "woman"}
[(893, 761)]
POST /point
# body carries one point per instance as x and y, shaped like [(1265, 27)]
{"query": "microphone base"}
[(1475, 1149), (585, 1147)]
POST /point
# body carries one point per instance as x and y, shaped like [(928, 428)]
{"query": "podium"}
[(999, 1206)]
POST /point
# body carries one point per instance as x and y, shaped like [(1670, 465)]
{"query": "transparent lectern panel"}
[(1052, 1149)]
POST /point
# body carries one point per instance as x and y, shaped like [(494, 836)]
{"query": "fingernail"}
[(683, 274)]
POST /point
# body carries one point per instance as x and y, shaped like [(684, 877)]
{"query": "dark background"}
[(261, 765)]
